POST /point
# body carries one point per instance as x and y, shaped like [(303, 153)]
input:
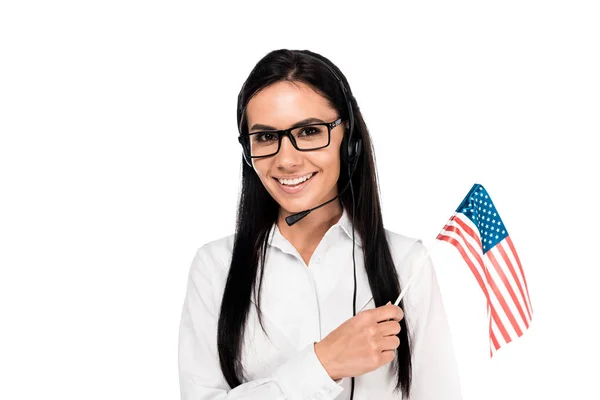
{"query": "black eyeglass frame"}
[(244, 139)]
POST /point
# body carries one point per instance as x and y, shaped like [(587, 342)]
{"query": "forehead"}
[(284, 103)]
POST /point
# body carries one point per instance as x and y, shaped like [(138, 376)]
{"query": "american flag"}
[(480, 236)]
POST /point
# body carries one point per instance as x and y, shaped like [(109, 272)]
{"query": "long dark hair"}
[(258, 211)]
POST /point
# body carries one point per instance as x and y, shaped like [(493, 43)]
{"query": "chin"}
[(293, 207)]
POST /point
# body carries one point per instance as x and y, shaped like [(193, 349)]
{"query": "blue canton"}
[(478, 207)]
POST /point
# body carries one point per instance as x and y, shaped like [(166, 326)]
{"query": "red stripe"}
[(516, 256), (472, 249), (439, 236), (469, 262), (499, 296), (499, 324), (500, 270), (469, 231), (511, 268), (493, 339)]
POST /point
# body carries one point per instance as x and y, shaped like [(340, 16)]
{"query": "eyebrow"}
[(306, 121)]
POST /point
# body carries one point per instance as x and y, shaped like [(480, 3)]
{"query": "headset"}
[(350, 152)]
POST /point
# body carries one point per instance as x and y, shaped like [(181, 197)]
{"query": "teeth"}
[(293, 182)]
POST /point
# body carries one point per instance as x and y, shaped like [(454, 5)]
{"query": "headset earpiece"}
[(247, 160), (357, 150), (351, 149)]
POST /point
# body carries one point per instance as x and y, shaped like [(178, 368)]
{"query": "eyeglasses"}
[(303, 138)]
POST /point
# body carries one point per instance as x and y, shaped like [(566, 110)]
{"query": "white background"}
[(119, 157)]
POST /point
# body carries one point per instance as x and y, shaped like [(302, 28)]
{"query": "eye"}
[(265, 137), (311, 130)]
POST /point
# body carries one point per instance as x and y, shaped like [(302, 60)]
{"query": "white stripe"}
[(513, 260), (495, 331), (475, 243), (503, 291), (514, 287), (472, 242), (497, 334)]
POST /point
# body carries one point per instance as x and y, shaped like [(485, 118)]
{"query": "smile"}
[(296, 184)]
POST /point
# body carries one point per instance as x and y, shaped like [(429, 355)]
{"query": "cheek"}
[(261, 167), (329, 162), (334, 157)]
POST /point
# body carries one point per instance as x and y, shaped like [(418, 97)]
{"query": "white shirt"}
[(301, 304)]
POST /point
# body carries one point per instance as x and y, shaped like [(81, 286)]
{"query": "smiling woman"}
[(302, 171), (284, 308)]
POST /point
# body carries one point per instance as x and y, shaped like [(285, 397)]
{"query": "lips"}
[(292, 189)]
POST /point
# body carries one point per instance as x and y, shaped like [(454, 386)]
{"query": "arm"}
[(301, 377), (435, 371)]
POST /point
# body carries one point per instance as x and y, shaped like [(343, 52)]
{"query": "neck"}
[(309, 231)]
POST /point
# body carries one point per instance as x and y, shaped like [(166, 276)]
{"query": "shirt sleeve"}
[(435, 370), (300, 377)]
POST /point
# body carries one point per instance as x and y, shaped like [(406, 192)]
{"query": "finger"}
[(389, 343), (387, 312), (387, 356), (389, 328)]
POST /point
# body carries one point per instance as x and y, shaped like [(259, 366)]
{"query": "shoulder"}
[(210, 265), (404, 247), (408, 254), (216, 253)]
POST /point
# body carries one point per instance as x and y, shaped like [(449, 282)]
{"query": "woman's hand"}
[(362, 344)]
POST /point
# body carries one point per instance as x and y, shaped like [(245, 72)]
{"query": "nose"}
[(288, 157)]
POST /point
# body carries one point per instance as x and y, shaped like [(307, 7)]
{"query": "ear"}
[(347, 124)]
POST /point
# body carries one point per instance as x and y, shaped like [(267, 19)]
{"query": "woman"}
[(299, 308)]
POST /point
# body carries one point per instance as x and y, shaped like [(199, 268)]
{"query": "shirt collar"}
[(344, 224)]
